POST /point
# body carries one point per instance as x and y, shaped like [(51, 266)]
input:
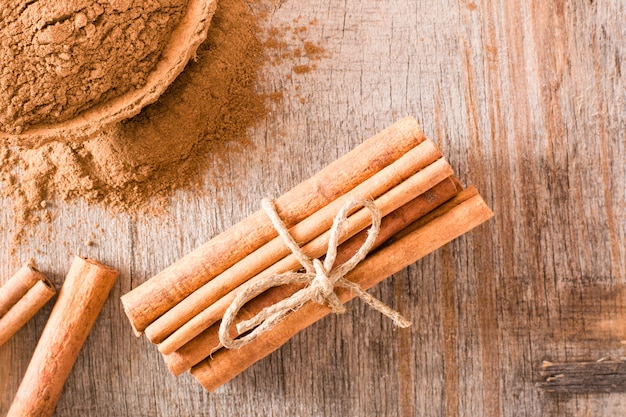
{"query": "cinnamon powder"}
[(134, 166), (61, 57)]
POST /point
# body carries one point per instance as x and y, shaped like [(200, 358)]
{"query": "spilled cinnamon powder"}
[(134, 166)]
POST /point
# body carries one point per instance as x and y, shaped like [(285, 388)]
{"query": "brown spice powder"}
[(302, 69), (61, 57), (134, 166)]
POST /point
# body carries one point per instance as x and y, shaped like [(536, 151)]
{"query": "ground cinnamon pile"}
[(134, 166), (63, 56)]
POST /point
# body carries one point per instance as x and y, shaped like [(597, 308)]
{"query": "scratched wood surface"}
[(527, 99)]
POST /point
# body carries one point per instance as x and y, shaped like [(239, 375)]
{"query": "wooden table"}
[(527, 99)]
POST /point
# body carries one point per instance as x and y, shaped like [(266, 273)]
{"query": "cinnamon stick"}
[(410, 188), (450, 223), (208, 341), (17, 286), (421, 162), (81, 298), (28, 305), (150, 300)]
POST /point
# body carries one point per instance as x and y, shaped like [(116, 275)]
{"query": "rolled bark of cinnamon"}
[(216, 302), (81, 298), (24, 294), (17, 286), (150, 300), (465, 212), (208, 341), (417, 171)]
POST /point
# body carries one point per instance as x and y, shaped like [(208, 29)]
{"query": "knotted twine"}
[(321, 277)]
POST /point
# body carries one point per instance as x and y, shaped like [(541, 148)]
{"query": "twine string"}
[(320, 276)]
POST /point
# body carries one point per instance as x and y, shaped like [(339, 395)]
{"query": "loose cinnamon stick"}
[(150, 300), (26, 307), (424, 157), (410, 188), (81, 298), (225, 364), (17, 286), (208, 341)]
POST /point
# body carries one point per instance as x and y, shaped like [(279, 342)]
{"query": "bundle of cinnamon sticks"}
[(423, 206)]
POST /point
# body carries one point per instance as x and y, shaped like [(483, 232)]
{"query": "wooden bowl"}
[(182, 45)]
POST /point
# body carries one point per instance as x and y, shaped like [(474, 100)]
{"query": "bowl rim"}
[(181, 47)]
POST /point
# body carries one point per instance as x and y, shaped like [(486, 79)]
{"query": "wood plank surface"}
[(527, 100), (584, 377)]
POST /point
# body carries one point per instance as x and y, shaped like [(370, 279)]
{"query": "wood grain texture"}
[(526, 99), (584, 377)]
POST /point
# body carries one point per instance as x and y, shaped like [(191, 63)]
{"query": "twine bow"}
[(321, 277)]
